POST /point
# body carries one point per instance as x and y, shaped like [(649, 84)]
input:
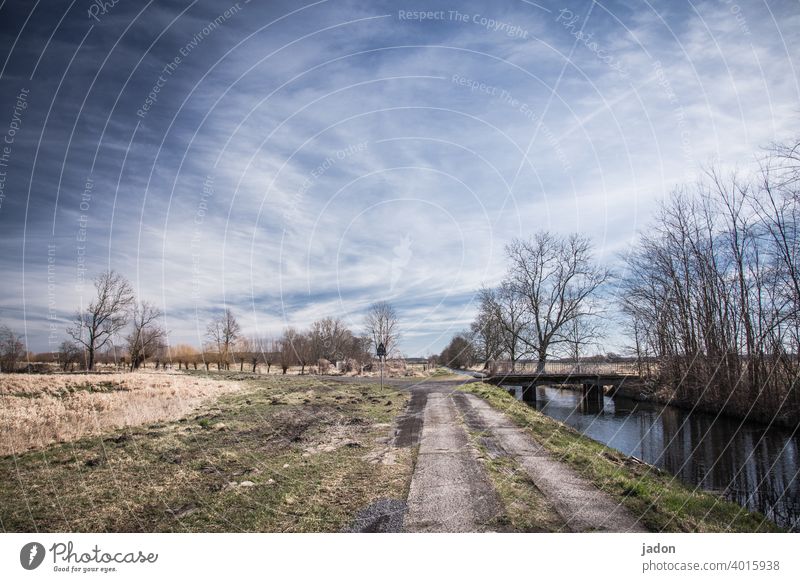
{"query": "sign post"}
[(381, 357)]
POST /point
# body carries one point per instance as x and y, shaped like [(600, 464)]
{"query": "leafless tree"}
[(12, 349), (579, 334), (184, 354), (459, 353), (382, 326), (712, 293), (69, 354), (243, 351), (271, 352), (290, 348), (508, 309), (96, 325), (147, 338), (328, 339), (357, 352), (486, 329), (555, 277), (222, 332)]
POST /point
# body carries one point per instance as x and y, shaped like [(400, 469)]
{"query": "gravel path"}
[(450, 490)]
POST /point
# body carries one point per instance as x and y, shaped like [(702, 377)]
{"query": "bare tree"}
[(147, 338), (244, 351), (382, 325), (288, 352), (583, 331), (508, 310), (556, 277), (328, 338), (712, 293), (96, 326), (69, 354), (222, 332), (270, 352), (184, 354), (12, 349), (487, 330), (459, 353)]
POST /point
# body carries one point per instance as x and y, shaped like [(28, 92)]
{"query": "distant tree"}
[(486, 329), (327, 339), (302, 351), (382, 326), (184, 354), (459, 353), (244, 352), (272, 353), (287, 349), (506, 310), (69, 354), (357, 352), (96, 325), (433, 361), (222, 332), (12, 349), (581, 333), (147, 338), (259, 351)]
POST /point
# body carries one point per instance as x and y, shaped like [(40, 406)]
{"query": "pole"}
[(381, 353)]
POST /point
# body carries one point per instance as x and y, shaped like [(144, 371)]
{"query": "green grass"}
[(659, 500), (283, 454), (525, 507)]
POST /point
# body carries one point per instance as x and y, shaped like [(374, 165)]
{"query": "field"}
[(232, 451), (37, 410), (270, 454)]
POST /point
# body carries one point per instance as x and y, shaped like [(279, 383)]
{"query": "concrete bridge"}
[(593, 384)]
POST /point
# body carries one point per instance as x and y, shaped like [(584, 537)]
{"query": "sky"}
[(292, 160)]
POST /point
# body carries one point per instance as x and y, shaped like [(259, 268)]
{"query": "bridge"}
[(595, 381)]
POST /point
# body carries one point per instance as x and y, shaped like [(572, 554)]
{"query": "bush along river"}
[(752, 464)]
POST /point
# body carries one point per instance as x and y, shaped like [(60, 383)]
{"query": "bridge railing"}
[(562, 367)]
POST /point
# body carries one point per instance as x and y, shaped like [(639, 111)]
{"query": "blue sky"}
[(292, 161)]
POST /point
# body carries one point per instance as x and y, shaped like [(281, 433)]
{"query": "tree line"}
[(708, 297), (114, 313), (711, 292)]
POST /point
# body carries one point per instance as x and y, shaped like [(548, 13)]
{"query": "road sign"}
[(381, 357)]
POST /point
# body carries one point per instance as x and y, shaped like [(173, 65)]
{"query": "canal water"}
[(747, 463)]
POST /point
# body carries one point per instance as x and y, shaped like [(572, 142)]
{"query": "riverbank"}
[(665, 396), (658, 499)]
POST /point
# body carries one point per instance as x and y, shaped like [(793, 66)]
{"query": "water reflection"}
[(747, 463)]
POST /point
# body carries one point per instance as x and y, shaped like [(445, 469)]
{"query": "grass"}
[(279, 454), (242, 452), (37, 410), (657, 499), (525, 507)]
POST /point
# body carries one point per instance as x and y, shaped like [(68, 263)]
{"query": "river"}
[(748, 463)]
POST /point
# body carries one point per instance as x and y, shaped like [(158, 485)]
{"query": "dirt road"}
[(450, 490)]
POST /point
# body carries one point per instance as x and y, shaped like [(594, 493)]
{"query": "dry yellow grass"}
[(39, 409)]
